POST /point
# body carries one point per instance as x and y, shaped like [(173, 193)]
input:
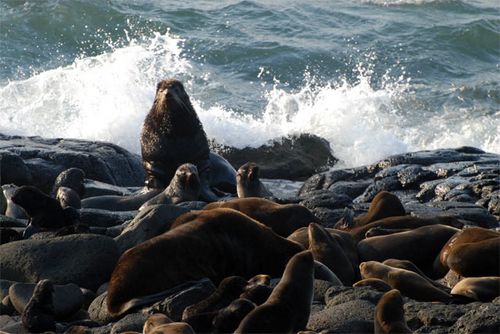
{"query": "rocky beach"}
[(459, 182)]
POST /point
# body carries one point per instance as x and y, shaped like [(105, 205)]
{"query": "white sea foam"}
[(106, 98)]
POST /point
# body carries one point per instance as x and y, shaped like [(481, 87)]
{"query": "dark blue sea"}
[(375, 77)]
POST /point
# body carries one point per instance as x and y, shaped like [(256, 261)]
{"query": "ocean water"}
[(374, 77)]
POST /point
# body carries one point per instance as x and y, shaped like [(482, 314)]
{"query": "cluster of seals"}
[(288, 307), (172, 134), (283, 219), (248, 183), (217, 244)]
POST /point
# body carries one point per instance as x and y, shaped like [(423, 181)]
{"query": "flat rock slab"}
[(84, 259)]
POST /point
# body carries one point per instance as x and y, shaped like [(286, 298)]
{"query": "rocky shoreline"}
[(462, 182)]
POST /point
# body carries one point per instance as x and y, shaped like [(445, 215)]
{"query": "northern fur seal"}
[(38, 315), (185, 186), (172, 135), (288, 307), (483, 289), (71, 178), (420, 246), (43, 211), (472, 251), (283, 219), (407, 282), (327, 250), (389, 314), (12, 210), (120, 203), (68, 197), (384, 204), (248, 183), (221, 243)]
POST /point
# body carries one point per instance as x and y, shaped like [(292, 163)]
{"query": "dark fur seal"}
[(389, 314), (38, 315), (288, 307), (220, 243), (248, 183), (420, 246), (185, 186), (327, 250), (71, 178), (120, 203), (43, 211), (228, 319), (68, 197), (384, 204), (472, 252), (172, 135), (283, 219), (12, 210)]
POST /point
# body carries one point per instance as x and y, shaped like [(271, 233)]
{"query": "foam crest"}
[(99, 98)]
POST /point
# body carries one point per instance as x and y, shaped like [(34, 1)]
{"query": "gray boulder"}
[(84, 259)]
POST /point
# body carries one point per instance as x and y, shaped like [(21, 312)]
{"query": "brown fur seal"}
[(248, 183), (43, 211), (283, 219), (327, 250), (185, 186), (473, 251), (38, 315), (67, 197), (483, 289), (407, 282), (172, 135), (71, 178), (345, 240), (404, 222), (172, 328), (420, 246), (383, 205), (288, 308), (155, 320), (220, 243), (389, 314), (408, 265)]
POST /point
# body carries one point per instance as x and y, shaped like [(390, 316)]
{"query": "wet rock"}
[(389, 183), (84, 259), (97, 188), (98, 309), (26, 157), (419, 314), (105, 218), (150, 222), (293, 157), (131, 322), (480, 319), (341, 294), (413, 175), (320, 289), (355, 316), (174, 305), (325, 180), (326, 199), (67, 299)]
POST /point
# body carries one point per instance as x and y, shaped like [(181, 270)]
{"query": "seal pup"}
[(473, 251), (483, 289), (38, 315), (217, 244), (68, 197), (288, 307), (43, 211), (172, 135), (328, 251), (70, 178), (248, 183), (283, 219), (390, 315), (407, 282), (420, 246), (384, 204), (185, 186)]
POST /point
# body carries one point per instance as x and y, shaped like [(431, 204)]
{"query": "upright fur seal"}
[(172, 135), (71, 178), (248, 183), (185, 186), (389, 314), (38, 315), (221, 243), (288, 307), (283, 219)]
